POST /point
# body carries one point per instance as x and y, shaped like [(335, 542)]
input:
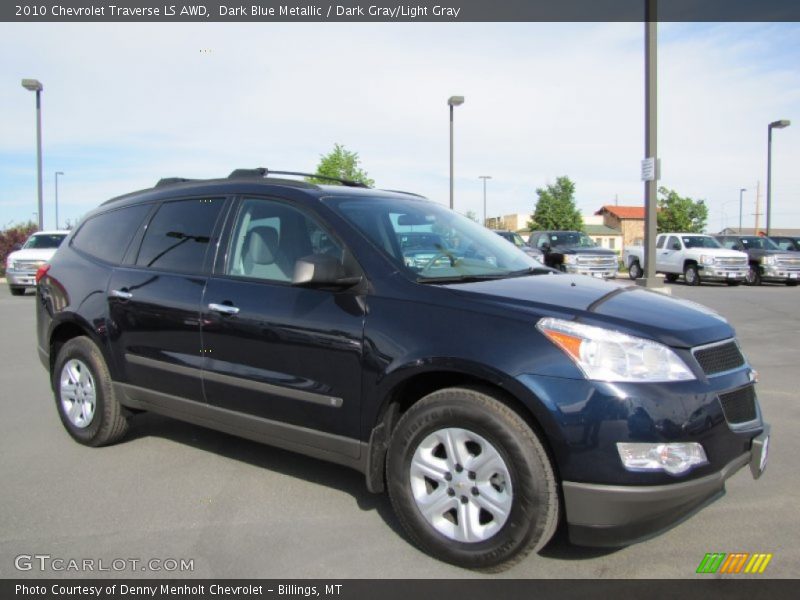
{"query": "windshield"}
[(571, 238), (430, 242), (700, 241), (512, 237), (762, 243), (45, 240)]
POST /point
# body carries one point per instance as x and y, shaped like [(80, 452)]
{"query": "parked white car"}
[(696, 256), (21, 265)]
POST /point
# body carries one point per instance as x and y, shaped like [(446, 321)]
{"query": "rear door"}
[(274, 351), (154, 300)]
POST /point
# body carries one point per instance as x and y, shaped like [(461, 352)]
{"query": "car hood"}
[(719, 252), (624, 307), (33, 254), (579, 250)]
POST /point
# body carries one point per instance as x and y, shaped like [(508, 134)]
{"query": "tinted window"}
[(179, 235), (106, 236), (660, 242), (270, 236), (45, 240)]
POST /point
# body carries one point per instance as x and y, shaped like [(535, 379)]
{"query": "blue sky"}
[(126, 104)]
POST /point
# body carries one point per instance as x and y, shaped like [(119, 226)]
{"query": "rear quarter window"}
[(106, 236)]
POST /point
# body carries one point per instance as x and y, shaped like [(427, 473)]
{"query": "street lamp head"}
[(742, 189), (484, 176), (33, 85), (455, 100), (780, 124), (59, 172)]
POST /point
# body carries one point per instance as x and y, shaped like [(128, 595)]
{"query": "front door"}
[(277, 352)]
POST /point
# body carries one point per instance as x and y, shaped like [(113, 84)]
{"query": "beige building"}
[(513, 222), (629, 220)]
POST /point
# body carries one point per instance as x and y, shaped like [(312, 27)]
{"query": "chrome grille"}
[(788, 261), (719, 358), (27, 265), (589, 260), (739, 405), (731, 261)]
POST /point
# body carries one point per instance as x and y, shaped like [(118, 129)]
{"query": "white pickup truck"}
[(695, 256)]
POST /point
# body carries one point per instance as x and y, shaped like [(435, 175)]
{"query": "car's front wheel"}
[(16, 290), (691, 275), (85, 395), (470, 481)]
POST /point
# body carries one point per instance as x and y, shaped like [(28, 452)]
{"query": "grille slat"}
[(739, 405), (719, 358)]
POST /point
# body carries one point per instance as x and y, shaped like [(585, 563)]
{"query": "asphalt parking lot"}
[(240, 509)]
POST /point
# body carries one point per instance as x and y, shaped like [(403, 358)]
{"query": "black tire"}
[(691, 275), (671, 277), (534, 503), (16, 290), (635, 270), (753, 276), (733, 283), (791, 282), (109, 422)]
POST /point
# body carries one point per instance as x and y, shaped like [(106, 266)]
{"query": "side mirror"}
[(16, 247), (545, 247), (321, 270)]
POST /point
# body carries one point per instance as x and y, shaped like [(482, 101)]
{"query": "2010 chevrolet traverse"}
[(490, 397)]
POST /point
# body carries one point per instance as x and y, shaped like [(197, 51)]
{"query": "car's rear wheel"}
[(470, 481), (85, 397), (635, 270), (16, 290), (791, 282), (691, 275)]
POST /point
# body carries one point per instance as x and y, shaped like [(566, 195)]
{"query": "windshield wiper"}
[(460, 278)]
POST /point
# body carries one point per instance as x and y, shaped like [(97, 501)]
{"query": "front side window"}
[(571, 239), (429, 242), (45, 240), (269, 237), (700, 241), (179, 235), (106, 236), (759, 243)]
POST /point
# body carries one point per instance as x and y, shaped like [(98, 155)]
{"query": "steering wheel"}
[(436, 257)]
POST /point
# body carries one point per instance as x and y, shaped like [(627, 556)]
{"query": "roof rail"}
[(172, 180), (262, 172)]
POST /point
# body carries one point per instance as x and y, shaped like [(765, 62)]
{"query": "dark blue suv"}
[(492, 398)]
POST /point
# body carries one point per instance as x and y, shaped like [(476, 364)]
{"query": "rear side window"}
[(179, 235), (106, 236)]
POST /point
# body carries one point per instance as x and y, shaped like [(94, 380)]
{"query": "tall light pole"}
[(741, 191), (484, 177), (34, 85), (452, 101), (57, 174), (650, 170), (774, 125)]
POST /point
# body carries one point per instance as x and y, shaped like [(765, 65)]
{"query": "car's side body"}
[(329, 372)]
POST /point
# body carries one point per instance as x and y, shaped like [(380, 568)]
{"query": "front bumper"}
[(591, 271), (21, 278), (714, 272), (615, 515), (778, 273)]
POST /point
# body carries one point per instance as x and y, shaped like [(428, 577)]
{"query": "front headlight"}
[(570, 259), (706, 259), (767, 260), (608, 355)]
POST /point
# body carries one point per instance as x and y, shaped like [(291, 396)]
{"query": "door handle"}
[(225, 309), (122, 294)]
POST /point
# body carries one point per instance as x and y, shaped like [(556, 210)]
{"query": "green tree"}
[(678, 213), (11, 235), (342, 164), (555, 209)]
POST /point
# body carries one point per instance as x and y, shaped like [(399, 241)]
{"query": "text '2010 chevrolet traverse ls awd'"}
[(489, 396)]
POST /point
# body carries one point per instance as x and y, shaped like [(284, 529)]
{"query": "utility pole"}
[(758, 205)]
